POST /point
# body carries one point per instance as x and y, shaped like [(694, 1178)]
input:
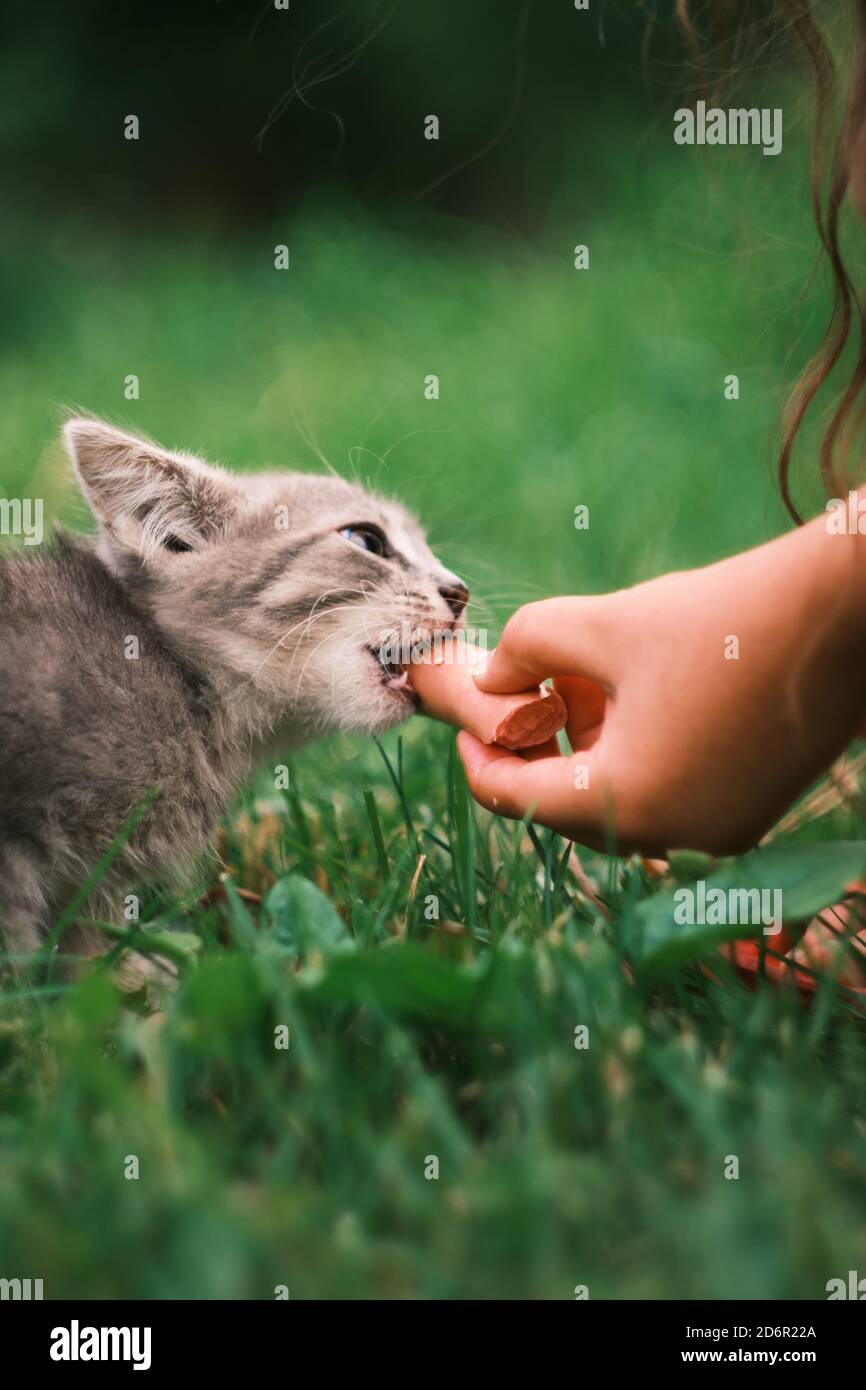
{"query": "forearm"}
[(796, 693), (825, 575)]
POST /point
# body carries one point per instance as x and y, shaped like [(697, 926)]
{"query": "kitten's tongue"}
[(398, 682)]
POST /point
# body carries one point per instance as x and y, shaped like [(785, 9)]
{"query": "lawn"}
[(435, 1126)]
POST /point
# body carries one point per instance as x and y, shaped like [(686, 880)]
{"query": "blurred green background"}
[(558, 387)]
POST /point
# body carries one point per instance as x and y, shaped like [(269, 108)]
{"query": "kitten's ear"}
[(145, 498)]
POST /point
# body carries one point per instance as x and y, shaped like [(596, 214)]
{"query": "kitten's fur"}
[(257, 624)]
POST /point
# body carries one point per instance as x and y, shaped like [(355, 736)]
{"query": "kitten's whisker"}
[(300, 649), (346, 640), (310, 440), (409, 435), (352, 635), (377, 417), (311, 617), (331, 637), (362, 449)]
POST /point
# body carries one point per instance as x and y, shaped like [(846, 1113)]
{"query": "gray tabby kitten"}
[(214, 618)]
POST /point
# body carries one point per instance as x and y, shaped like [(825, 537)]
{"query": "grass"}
[(412, 1036), (412, 1039)]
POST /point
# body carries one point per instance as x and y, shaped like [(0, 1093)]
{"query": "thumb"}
[(555, 637)]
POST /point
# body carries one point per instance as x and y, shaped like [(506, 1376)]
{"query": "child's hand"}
[(700, 704)]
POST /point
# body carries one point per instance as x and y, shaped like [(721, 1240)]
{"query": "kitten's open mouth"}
[(394, 677)]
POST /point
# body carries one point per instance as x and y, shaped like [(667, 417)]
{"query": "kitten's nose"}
[(455, 594)]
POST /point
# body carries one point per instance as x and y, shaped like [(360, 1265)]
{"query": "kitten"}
[(215, 616)]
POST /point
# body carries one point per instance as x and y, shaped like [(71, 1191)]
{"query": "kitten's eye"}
[(175, 544), (367, 537)]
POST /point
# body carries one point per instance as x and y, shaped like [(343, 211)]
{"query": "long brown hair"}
[(837, 177)]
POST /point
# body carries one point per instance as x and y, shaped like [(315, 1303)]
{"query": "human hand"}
[(701, 704)]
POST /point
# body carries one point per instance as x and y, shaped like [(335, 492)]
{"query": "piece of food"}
[(446, 687)]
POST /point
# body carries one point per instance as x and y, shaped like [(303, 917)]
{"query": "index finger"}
[(544, 788)]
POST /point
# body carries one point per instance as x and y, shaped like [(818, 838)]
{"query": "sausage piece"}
[(447, 690)]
